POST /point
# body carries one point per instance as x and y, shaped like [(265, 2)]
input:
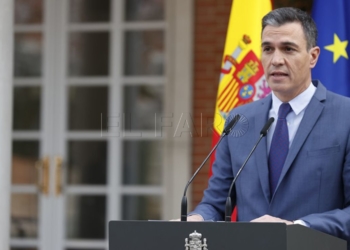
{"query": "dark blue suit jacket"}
[(315, 181)]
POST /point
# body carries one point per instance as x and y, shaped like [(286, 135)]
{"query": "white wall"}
[(178, 160), (6, 72)]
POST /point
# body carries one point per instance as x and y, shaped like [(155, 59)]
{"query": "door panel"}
[(144, 53), (87, 162), (86, 217), (28, 11), (26, 108), (85, 106), (89, 11), (28, 54), (78, 64), (141, 207), (24, 216), (24, 157), (142, 103), (88, 53), (142, 162)]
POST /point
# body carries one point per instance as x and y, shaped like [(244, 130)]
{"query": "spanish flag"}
[(242, 77)]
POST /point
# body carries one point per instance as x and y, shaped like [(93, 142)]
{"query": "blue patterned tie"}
[(279, 146)]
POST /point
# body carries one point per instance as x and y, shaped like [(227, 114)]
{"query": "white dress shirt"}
[(294, 118)]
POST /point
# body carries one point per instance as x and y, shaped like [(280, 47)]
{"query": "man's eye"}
[(289, 49), (267, 49)]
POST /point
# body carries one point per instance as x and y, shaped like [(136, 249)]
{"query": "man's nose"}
[(277, 58)]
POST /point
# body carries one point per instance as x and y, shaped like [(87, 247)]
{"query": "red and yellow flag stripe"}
[(242, 78)]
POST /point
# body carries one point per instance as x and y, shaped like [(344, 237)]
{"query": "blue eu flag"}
[(333, 22)]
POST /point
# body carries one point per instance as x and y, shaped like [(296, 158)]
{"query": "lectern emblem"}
[(195, 242)]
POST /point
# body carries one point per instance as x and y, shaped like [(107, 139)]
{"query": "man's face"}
[(286, 61)]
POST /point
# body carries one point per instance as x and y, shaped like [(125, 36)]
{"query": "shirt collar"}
[(299, 103)]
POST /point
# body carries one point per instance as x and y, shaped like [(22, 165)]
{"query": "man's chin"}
[(278, 86)]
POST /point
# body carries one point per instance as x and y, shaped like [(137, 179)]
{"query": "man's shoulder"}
[(337, 97), (323, 94)]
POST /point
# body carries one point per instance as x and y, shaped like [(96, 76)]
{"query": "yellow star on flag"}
[(338, 48)]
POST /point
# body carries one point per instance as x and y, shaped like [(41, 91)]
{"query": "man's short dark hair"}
[(285, 15)]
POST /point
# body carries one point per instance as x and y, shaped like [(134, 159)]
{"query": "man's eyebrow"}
[(283, 43), (265, 44), (290, 44)]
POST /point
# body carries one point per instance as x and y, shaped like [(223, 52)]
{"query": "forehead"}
[(289, 32)]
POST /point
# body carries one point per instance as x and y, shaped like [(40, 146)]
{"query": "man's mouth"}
[(277, 74)]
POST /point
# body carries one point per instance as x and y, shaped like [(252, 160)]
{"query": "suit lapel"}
[(311, 115), (261, 150)]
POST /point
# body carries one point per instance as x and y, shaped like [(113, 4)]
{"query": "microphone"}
[(226, 131), (228, 206)]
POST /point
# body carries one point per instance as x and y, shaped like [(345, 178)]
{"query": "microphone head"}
[(267, 126), (231, 124)]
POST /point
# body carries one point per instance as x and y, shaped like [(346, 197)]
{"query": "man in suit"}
[(304, 179)]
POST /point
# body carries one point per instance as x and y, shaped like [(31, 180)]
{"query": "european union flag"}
[(333, 22)]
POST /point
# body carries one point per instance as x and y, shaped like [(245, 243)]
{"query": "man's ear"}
[(314, 54)]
